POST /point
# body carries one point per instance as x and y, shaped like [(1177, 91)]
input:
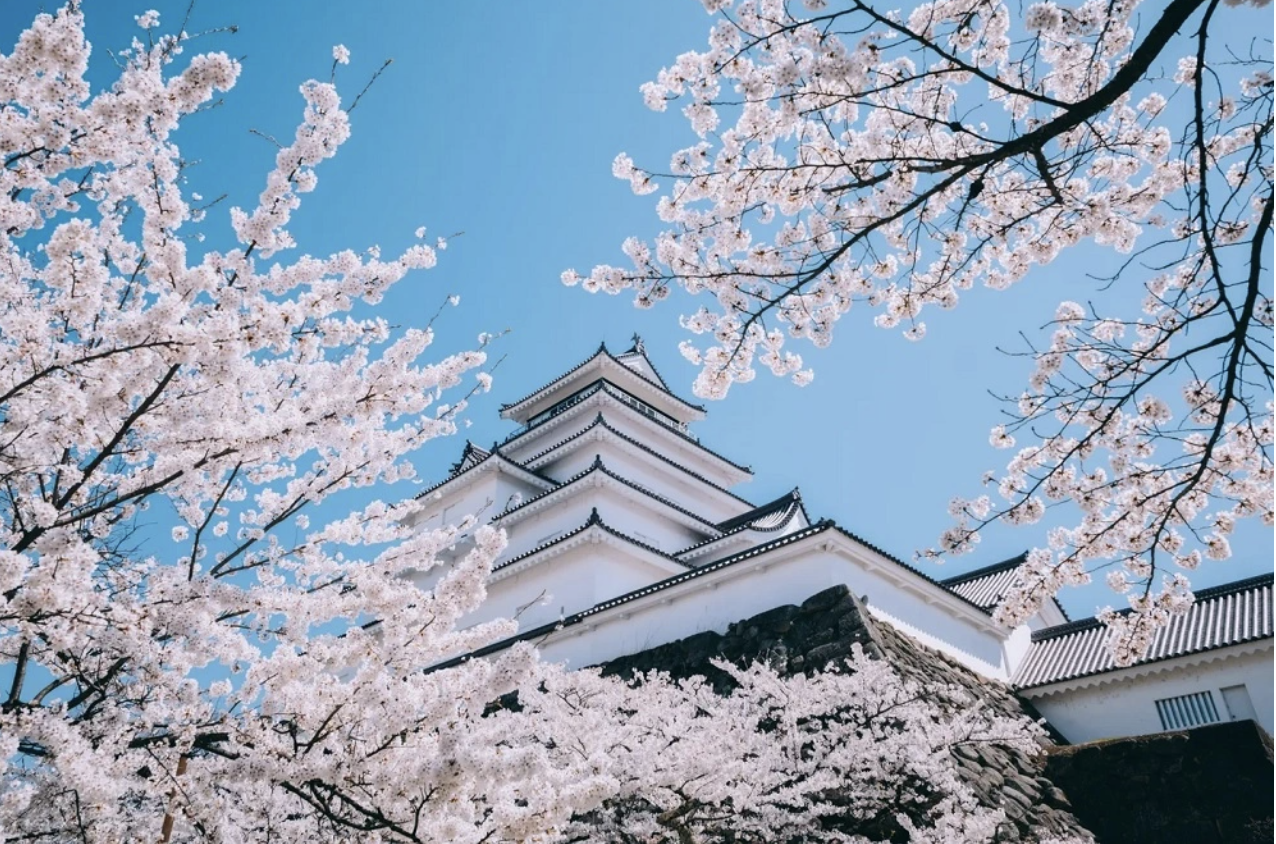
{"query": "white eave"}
[(494, 462), (596, 477), (599, 432), (592, 532), (1146, 669)]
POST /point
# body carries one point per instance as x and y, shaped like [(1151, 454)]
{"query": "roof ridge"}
[(640, 349), (603, 350), (995, 568), (785, 501), (793, 509), (1208, 594)]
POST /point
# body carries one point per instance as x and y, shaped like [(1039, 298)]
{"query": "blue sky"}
[(501, 121)]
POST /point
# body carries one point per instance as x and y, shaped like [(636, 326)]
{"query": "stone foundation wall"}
[(1209, 785), (821, 631)]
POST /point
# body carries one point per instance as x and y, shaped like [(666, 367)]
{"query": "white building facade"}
[(623, 534)]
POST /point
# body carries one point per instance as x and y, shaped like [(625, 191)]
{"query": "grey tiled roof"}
[(465, 467), (985, 586), (594, 520), (599, 466), (988, 585), (1222, 615)]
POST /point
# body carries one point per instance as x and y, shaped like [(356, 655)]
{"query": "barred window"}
[(1179, 713)]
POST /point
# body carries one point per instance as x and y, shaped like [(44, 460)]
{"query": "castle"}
[(624, 534)]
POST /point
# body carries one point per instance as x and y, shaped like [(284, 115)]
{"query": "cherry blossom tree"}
[(848, 154), (855, 753), (256, 677)]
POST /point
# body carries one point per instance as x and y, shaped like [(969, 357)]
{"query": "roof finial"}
[(594, 518), (638, 347)]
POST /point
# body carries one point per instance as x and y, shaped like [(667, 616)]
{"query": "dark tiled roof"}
[(758, 516), (640, 351), (1222, 615), (602, 350), (987, 585), (766, 520), (598, 466), (599, 421), (470, 455)]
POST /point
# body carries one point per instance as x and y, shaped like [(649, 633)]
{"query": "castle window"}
[(1184, 711)]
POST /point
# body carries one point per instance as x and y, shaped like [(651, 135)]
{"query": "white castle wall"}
[(569, 581), (628, 511), (483, 496), (788, 576), (1124, 704)]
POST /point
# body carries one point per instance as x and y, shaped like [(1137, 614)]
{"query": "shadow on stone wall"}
[(1210, 785)]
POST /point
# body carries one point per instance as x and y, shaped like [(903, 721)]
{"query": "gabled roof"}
[(594, 521), (511, 409), (494, 459), (635, 357), (598, 467), (768, 516), (470, 455), (988, 585), (699, 446), (1226, 615)]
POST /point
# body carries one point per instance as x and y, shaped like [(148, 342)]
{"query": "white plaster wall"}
[(930, 621), (712, 603), (563, 584), (655, 475), (1126, 706), (716, 600), (626, 511), (1016, 647), (484, 497)]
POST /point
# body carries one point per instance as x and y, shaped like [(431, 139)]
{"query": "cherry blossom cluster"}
[(854, 753), (249, 675), (848, 155)]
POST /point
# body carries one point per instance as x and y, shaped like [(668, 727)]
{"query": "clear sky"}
[(501, 120)]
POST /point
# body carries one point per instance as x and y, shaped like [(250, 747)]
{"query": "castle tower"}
[(602, 489)]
